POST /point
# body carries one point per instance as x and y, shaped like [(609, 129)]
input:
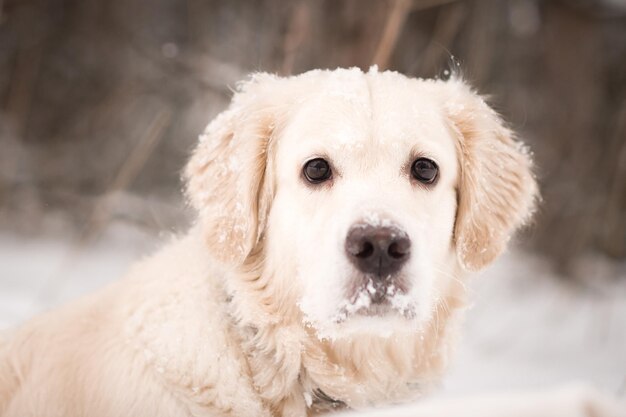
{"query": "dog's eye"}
[(424, 170), (317, 170)]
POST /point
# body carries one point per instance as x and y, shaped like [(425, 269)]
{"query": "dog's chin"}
[(365, 306), (377, 322), (364, 316)]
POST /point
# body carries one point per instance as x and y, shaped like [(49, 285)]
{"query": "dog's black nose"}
[(380, 251)]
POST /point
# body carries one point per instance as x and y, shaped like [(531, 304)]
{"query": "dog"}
[(338, 214)]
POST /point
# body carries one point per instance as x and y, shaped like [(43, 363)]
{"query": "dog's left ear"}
[(228, 178), (497, 190)]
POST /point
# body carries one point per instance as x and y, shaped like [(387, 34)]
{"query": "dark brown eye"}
[(424, 170), (317, 170)]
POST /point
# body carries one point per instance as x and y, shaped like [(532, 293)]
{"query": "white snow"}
[(39, 273), (528, 329)]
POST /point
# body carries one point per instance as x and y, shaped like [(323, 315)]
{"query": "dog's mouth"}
[(376, 297)]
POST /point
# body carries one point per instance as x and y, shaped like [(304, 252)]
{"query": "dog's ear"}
[(228, 178), (497, 190)]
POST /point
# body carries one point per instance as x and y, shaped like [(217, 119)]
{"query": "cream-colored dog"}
[(338, 212)]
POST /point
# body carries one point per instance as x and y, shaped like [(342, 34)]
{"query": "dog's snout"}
[(377, 250)]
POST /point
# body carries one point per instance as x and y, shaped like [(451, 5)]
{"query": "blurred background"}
[(101, 102)]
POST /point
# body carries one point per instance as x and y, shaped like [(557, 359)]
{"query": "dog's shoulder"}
[(173, 304), (182, 328), (162, 332)]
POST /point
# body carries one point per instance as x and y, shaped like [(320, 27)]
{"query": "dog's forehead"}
[(405, 109), (373, 111)]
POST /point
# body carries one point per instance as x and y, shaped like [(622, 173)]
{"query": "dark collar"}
[(322, 402)]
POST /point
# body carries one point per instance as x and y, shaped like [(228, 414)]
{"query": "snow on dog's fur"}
[(260, 309)]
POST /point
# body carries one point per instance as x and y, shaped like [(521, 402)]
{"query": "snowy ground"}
[(527, 329)]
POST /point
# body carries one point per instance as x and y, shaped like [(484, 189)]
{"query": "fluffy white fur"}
[(247, 315)]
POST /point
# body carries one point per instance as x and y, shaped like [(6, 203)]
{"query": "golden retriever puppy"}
[(338, 212)]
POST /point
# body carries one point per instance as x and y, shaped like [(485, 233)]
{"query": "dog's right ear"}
[(228, 179)]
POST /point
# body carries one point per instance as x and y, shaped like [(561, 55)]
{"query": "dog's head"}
[(364, 194)]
